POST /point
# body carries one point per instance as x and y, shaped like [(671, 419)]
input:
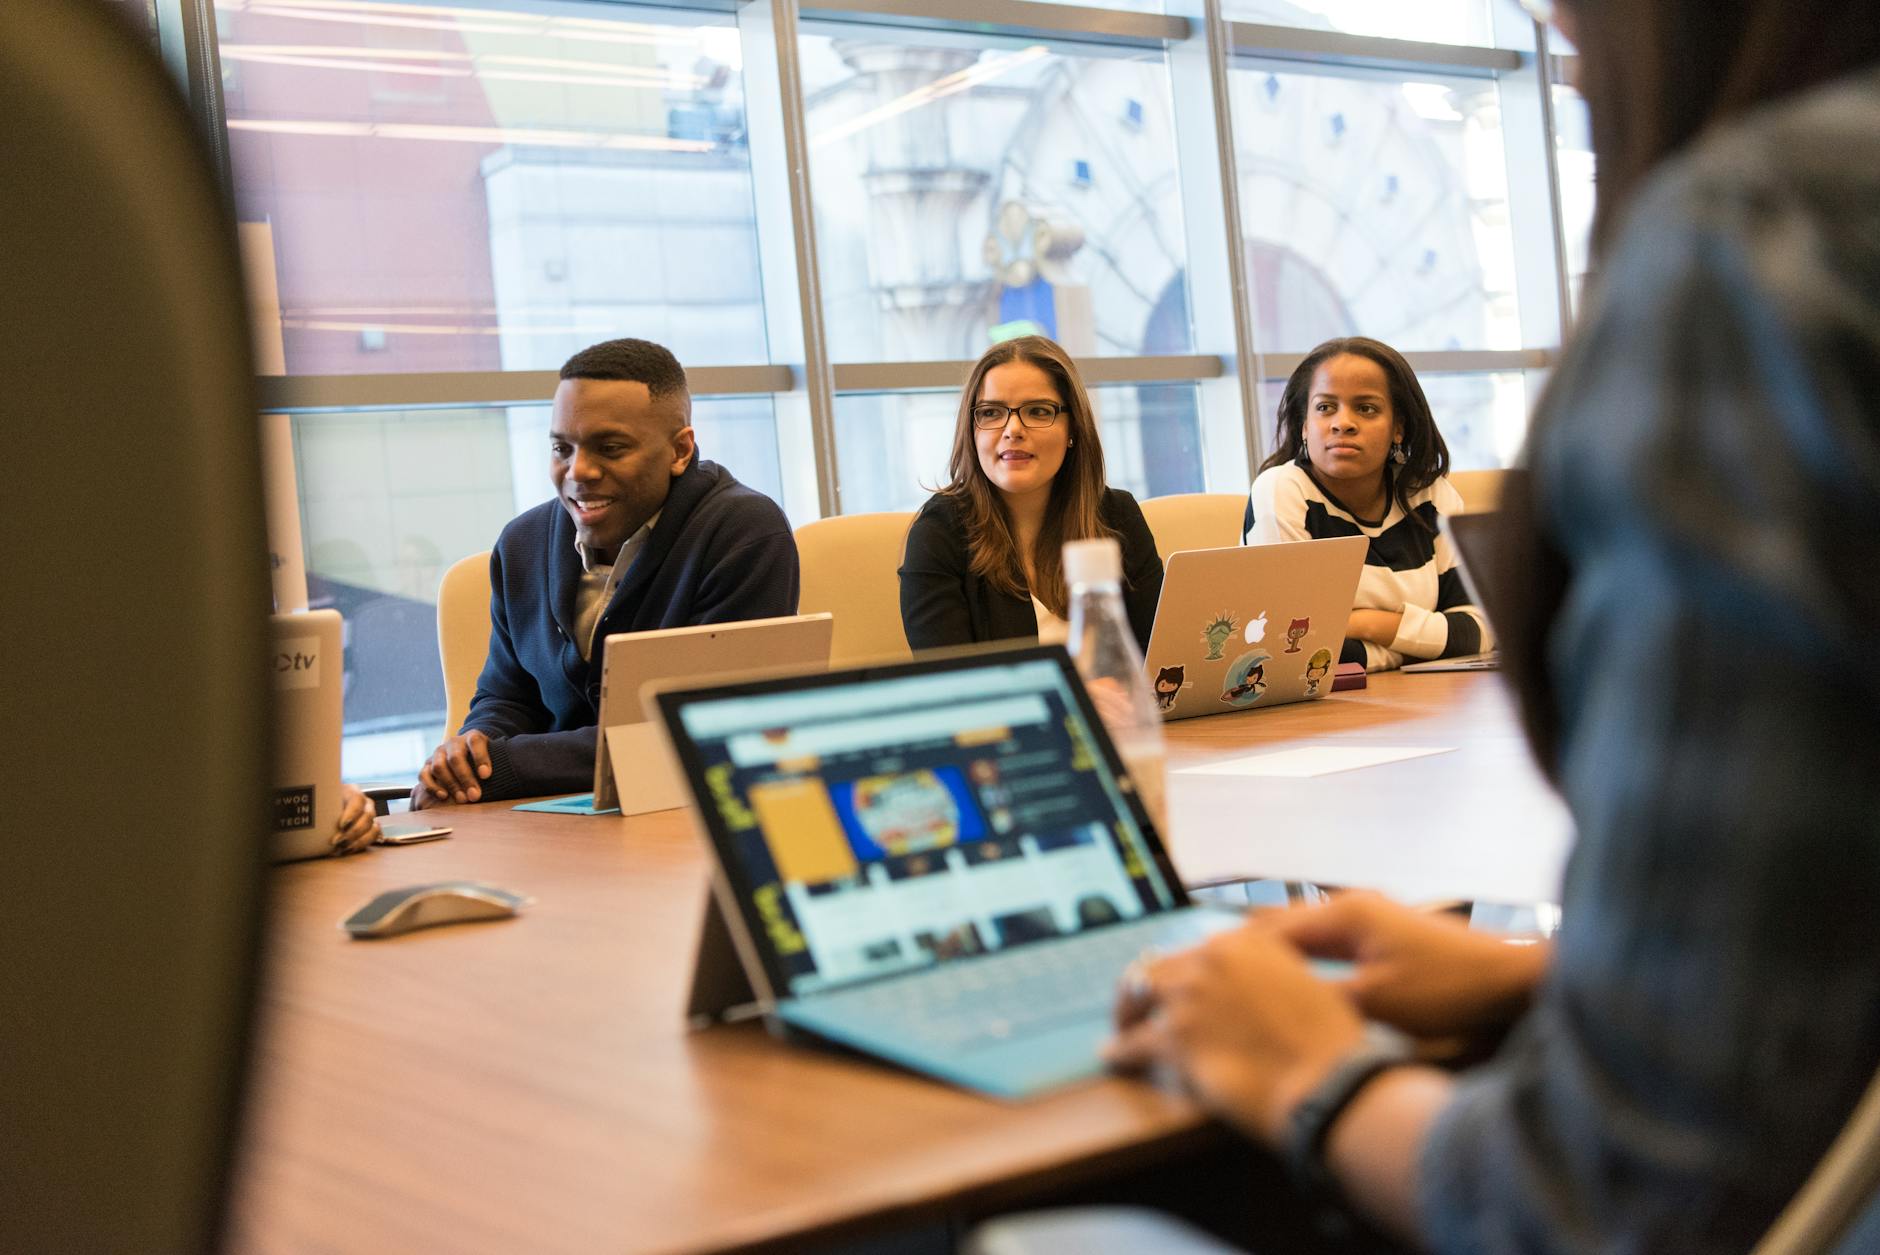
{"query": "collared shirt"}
[(1704, 468), (598, 582), (1051, 629)]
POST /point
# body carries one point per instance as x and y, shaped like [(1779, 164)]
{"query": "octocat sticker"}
[(1295, 632), (1169, 683), (1317, 667), (1245, 682)]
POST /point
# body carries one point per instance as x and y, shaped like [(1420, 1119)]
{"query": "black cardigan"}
[(944, 603)]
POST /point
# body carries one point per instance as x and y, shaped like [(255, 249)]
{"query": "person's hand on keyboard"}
[(1242, 1019), (1427, 974)]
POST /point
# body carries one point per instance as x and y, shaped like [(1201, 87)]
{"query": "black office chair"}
[(132, 646)]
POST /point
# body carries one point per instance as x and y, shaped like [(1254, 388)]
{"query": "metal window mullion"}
[(776, 120), (1544, 67), (306, 393), (1219, 284), (1438, 361), (1019, 19), (186, 39), (1323, 47), (950, 374)]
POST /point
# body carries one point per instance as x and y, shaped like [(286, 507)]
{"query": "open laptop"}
[(939, 862), (628, 747), (1474, 538), (1251, 625), (306, 662)]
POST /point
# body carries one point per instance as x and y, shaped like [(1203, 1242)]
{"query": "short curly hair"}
[(630, 361)]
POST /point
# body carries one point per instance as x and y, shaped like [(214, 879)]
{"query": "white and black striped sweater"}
[(1410, 567)]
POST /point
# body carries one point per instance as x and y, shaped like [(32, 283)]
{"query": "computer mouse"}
[(422, 906)]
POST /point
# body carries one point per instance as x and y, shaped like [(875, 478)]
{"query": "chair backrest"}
[(134, 880), (1194, 520), (1843, 1189), (1480, 490), (463, 633), (850, 566)]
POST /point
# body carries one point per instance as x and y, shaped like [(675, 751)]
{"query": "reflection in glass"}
[(1483, 417), (968, 190), (389, 500), (1432, 21), (1374, 206), (893, 447), (492, 187)]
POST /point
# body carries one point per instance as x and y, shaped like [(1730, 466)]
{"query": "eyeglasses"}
[(990, 414)]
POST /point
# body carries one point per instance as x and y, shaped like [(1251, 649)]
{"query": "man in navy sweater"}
[(641, 534)]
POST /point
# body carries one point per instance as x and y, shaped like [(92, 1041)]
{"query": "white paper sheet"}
[(1314, 760)]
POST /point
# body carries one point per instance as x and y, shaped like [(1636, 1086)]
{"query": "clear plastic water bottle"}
[(1105, 649)]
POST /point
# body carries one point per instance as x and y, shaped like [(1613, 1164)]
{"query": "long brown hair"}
[(1656, 75), (1426, 457), (1076, 490)]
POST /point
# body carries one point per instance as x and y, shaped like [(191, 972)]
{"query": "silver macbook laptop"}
[(632, 659), (1473, 537), (939, 862), (308, 670), (1251, 625)]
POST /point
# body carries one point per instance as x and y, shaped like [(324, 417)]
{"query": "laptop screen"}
[(876, 821)]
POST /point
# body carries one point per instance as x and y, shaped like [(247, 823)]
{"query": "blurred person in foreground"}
[(1691, 639)]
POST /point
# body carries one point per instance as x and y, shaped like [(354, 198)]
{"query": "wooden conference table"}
[(528, 1085)]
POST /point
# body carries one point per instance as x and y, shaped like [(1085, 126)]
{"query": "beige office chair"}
[(463, 633), (1480, 490), (1843, 1189), (1195, 520), (849, 566)]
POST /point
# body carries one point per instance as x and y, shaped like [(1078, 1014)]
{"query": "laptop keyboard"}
[(1013, 994)]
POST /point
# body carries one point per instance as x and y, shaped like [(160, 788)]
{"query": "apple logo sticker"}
[(1256, 629)]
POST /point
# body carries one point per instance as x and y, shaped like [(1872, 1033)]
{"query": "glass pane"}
[(1432, 21), (972, 189), (1483, 417), (455, 188), (1573, 149), (389, 500), (1374, 206), (893, 447)]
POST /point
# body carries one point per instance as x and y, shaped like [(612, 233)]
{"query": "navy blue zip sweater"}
[(719, 553)]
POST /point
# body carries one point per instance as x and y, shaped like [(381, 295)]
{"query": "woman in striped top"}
[(1358, 454)]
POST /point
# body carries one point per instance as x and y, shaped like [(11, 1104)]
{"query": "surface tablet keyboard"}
[(1010, 994)]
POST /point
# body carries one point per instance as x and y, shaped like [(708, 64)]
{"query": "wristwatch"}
[(1303, 1147)]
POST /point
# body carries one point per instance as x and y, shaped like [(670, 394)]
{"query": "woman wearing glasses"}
[(983, 558)]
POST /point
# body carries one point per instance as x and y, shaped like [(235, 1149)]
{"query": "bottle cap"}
[(1092, 562)]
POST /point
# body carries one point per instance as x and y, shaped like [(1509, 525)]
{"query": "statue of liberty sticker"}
[(1216, 634)]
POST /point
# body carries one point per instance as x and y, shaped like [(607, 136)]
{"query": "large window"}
[(493, 187), (1374, 205), (970, 189), (443, 199)]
